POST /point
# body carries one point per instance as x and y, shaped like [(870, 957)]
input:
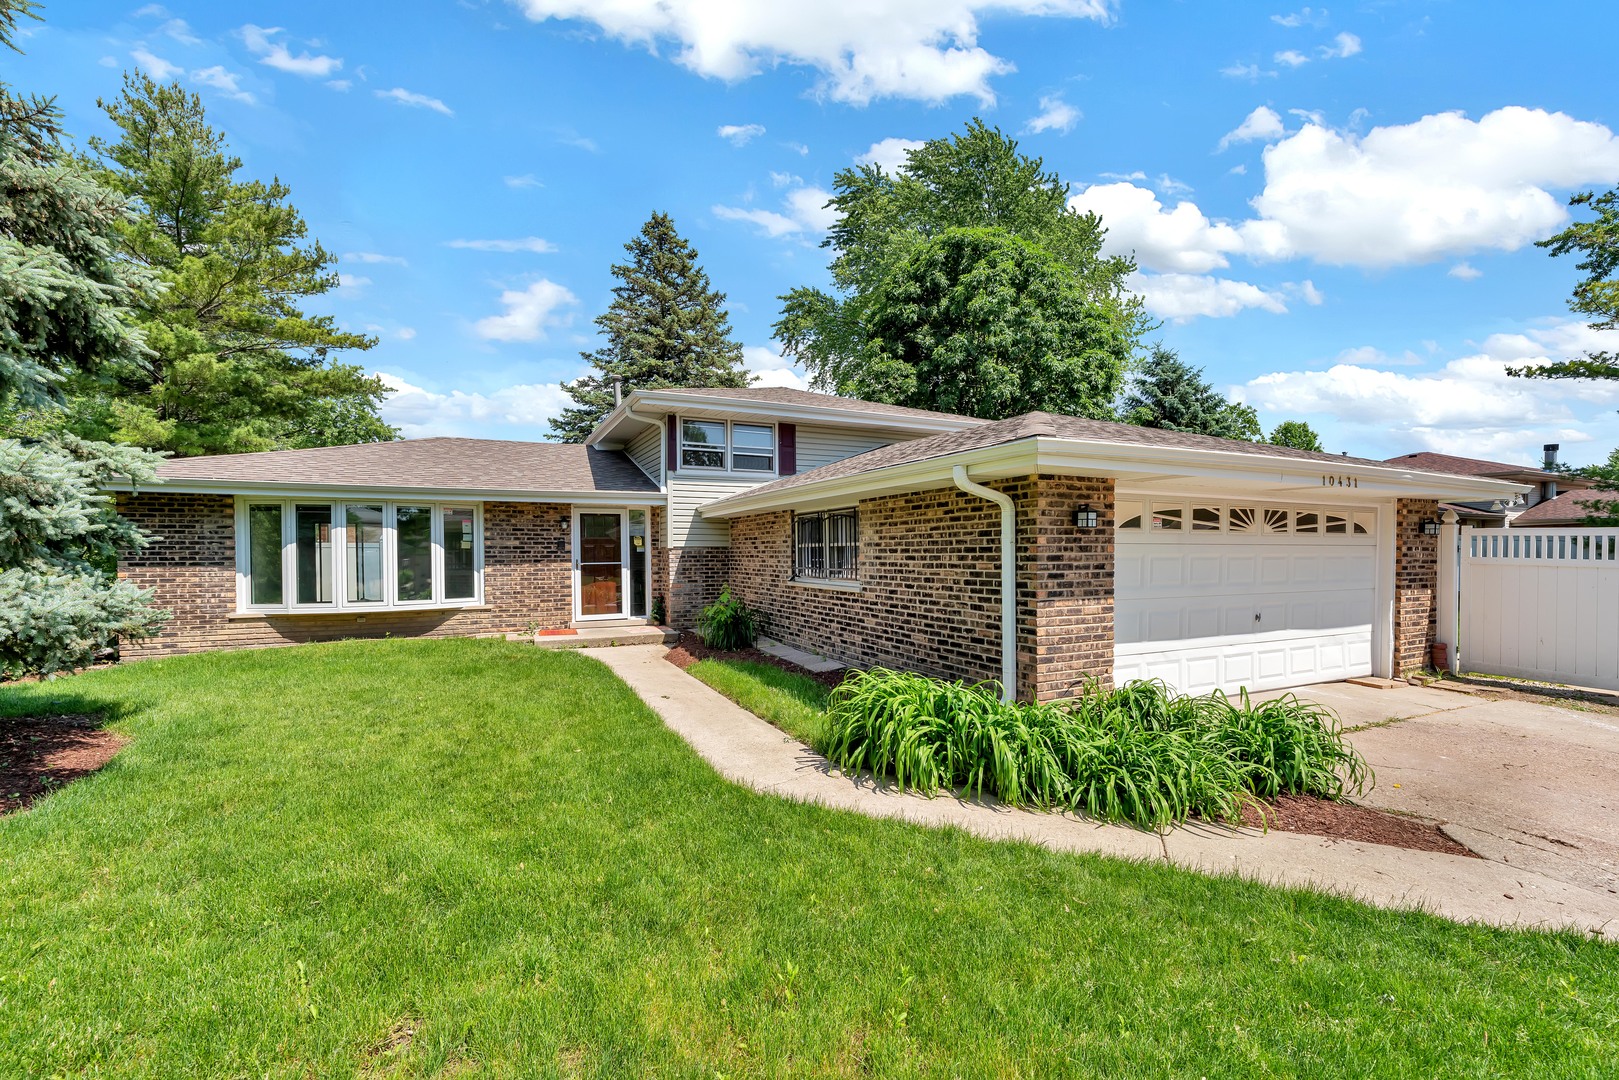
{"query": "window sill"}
[(835, 586), (283, 613)]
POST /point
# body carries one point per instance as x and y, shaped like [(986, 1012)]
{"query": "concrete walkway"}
[(748, 751)]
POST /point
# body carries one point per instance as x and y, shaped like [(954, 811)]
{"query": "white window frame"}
[(728, 450), (340, 601)]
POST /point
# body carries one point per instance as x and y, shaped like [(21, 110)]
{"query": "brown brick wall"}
[(695, 577), (930, 596), (1416, 579), (192, 567)]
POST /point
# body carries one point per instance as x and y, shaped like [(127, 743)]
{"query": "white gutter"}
[(1008, 577)]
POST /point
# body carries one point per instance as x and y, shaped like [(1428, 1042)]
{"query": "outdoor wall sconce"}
[(1085, 517), (1430, 528)]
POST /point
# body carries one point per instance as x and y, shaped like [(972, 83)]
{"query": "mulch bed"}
[(1288, 813), (1346, 821), (38, 754), (691, 649)]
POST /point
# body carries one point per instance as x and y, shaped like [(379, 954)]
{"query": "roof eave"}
[(652, 401), (294, 490), (1046, 453)]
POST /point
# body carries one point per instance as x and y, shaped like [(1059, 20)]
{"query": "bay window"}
[(324, 556)]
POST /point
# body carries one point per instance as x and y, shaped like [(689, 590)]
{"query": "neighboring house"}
[(1569, 509), (1543, 485), (871, 533)]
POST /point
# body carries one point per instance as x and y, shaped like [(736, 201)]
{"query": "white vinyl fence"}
[(1540, 604)]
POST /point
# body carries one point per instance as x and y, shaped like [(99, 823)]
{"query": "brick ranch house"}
[(871, 533)]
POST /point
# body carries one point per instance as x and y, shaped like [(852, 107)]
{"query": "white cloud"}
[(785, 179), (226, 82), (1183, 297), (1469, 405), (1055, 115), (152, 11), (1251, 72), (340, 85), (864, 49), (180, 31), (1291, 58), (772, 368), (529, 313), (374, 257), (1466, 271), (405, 333), (1441, 187), (1304, 17), (352, 282), (155, 66), (527, 180), (806, 212), (275, 54), (797, 148), (1343, 46), (1179, 240), (414, 100), (528, 243), (1263, 123), (740, 134), (420, 413), (889, 154)]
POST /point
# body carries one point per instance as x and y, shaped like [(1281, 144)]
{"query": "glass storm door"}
[(599, 541)]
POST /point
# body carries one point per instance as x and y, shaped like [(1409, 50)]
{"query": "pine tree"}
[(665, 327), (64, 313), (1169, 393), (233, 363)]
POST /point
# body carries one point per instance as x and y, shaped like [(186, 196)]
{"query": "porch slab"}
[(590, 637), (805, 659)]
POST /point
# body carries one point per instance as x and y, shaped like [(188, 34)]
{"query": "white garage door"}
[(1219, 596)]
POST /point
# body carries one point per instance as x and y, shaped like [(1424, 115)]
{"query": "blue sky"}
[(1333, 208)]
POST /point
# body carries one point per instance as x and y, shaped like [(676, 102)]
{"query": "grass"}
[(477, 858), (793, 702)]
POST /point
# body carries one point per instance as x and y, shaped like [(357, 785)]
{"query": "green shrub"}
[(728, 623), (1139, 753)]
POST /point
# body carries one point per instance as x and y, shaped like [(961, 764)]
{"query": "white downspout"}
[(1008, 577)]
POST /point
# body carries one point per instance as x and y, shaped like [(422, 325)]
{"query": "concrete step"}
[(592, 637)]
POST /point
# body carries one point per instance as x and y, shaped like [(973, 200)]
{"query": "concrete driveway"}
[(1532, 785)]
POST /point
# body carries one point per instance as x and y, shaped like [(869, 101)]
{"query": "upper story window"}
[(726, 446), (297, 555)]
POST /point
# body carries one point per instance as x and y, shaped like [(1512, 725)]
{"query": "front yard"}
[(479, 858)]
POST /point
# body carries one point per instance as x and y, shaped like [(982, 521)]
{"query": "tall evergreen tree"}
[(1169, 393), (233, 364), (665, 327), (63, 314)]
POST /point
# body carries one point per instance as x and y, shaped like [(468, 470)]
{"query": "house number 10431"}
[(1340, 481)]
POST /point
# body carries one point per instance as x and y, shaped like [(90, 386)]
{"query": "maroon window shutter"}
[(787, 448), (671, 443)]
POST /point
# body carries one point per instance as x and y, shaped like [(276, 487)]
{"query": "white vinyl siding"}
[(646, 450), (690, 490), (819, 446)]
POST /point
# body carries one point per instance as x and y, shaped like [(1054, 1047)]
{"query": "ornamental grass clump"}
[(1139, 754)]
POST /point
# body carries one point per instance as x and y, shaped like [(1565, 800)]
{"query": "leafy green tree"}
[(1170, 394), (1297, 434), (972, 181), (666, 326), (985, 323), (232, 363), (1601, 510), (63, 313), (1598, 295)]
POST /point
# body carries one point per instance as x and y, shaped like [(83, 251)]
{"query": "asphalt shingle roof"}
[(1569, 507), (1427, 461), (1035, 424), (447, 463)]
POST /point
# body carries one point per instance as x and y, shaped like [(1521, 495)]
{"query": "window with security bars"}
[(826, 546)]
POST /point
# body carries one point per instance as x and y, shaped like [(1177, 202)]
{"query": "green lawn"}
[(306, 853), (795, 703)]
